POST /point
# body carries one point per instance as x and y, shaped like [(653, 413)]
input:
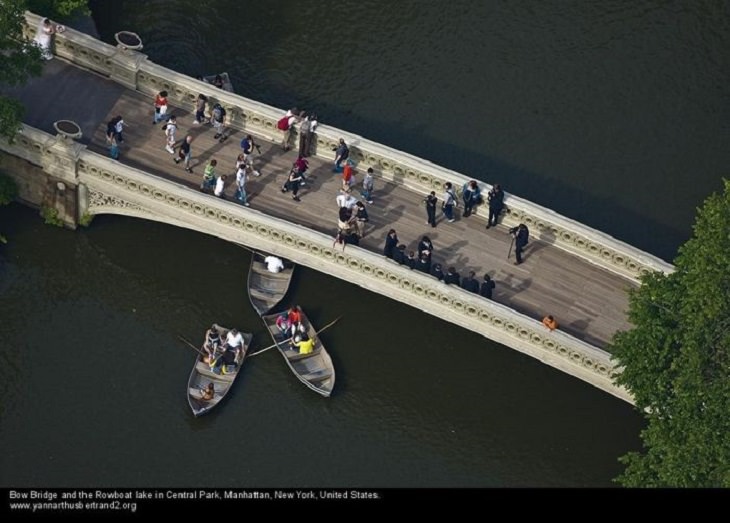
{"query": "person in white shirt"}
[(233, 347), (274, 264), (345, 199), (241, 179), (170, 129), (220, 184), (234, 340)]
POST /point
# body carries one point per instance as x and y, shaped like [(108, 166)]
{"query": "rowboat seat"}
[(204, 369), (317, 376), (195, 393), (293, 355)]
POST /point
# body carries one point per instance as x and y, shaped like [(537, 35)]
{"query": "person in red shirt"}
[(295, 320), (295, 316), (348, 176), (161, 108)]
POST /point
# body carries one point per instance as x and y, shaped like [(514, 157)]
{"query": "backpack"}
[(283, 124)]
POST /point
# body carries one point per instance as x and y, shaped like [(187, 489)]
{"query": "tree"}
[(19, 59), (676, 361), (59, 9)]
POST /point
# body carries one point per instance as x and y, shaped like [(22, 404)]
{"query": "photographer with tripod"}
[(520, 237)]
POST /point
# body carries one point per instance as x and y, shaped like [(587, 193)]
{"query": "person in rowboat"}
[(295, 320), (274, 264), (212, 343), (303, 343), (282, 323), (208, 392), (232, 348)]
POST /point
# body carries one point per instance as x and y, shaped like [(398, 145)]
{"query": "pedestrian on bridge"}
[(449, 202), (487, 287), (200, 109), (170, 129), (431, 200), (184, 153), (495, 197), (342, 153), (390, 243), (161, 108), (209, 177), (521, 236), (367, 186), (550, 323)]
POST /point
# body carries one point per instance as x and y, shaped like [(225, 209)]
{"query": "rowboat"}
[(265, 288), (201, 376), (227, 85), (315, 369)]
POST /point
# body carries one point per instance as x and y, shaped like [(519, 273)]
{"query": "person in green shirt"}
[(209, 176)]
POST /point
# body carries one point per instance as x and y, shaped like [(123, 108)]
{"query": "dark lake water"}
[(612, 113)]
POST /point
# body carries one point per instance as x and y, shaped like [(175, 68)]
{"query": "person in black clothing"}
[(436, 272), (361, 218), (425, 247), (226, 362), (345, 219), (470, 283), (431, 202), (496, 204), (399, 254), (471, 195), (522, 236), (295, 178), (452, 277), (424, 264), (390, 242), (487, 287), (352, 239), (184, 153), (410, 260)]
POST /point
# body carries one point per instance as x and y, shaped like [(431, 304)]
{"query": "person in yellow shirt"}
[(304, 344)]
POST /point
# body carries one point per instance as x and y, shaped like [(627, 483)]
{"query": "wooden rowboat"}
[(266, 289), (201, 376), (315, 369)]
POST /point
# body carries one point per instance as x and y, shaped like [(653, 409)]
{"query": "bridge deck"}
[(587, 301)]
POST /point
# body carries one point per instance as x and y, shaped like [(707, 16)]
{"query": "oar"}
[(286, 340), (191, 345)]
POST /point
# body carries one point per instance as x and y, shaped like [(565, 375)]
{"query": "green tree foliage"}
[(59, 10), (8, 189), (19, 59), (676, 361)]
